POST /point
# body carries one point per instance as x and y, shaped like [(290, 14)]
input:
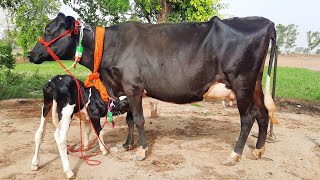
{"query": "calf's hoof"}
[(70, 175), (141, 154), (104, 152), (256, 154), (34, 167), (232, 160)]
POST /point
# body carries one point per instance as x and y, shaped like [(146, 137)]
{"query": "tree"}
[(6, 58), (151, 11), (313, 39), (286, 36), (291, 36), (281, 34), (30, 17)]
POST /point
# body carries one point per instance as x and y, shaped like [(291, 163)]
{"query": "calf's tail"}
[(268, 100)]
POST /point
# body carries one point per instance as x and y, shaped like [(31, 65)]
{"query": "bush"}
[(6, 58)]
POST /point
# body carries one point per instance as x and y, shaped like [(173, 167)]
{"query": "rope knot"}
[(94, 75)]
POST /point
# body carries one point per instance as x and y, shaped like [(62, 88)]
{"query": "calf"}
[(61, 95)]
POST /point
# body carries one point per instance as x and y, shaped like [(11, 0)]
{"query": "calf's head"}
[(63, 47)]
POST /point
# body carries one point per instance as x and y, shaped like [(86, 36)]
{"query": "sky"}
[(305, 14)]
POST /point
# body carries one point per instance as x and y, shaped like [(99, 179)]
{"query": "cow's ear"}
[(69, 23)]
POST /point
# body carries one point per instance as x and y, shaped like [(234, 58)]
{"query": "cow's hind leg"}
[(87, 131), (130, 140), (263, 122), (40, 133), (248, 114), (60, 136)]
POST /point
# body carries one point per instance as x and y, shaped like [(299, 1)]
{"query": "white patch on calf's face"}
[(122, 98)]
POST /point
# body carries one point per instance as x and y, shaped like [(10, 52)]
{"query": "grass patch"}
[(27, 79), (297, 83)]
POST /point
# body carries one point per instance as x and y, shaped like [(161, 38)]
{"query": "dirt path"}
[(185, 142)]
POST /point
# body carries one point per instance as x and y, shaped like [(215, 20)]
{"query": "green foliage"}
[(6, 58), (152, 11), (30, 18), (313, 39), (318, 51), (286, 36), (27, 79)]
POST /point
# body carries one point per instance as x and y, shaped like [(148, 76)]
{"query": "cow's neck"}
[(88, 48)]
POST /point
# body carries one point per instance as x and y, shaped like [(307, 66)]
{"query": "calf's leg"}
[(60, 136), (40, 133)]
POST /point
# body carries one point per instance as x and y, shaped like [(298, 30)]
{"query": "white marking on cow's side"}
[(55, 119), (60, 136), (49, 80), (38, 138), (60, 78), (122, 98)]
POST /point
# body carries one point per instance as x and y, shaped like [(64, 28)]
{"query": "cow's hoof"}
[(234, 158), (70, 175), (256, 154), (127, 147), (34, 167), (141, 154), (228, 162)]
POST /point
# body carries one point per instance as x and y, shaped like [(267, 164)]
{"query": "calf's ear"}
[(69, 23)]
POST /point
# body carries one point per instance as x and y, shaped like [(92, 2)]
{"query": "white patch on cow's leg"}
[(101, 144), (40, 133), (61, 135), (257, 153), (55, 119), (234, 158)]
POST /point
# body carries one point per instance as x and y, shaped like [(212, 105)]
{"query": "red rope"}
[(80, 97)]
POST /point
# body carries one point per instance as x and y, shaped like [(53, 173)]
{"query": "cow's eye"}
[(48, 31)]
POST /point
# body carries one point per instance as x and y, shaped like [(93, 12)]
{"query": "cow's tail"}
[(268, 100)]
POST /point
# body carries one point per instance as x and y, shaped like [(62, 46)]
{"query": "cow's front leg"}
[(40, 133), (60, 136), (130, 140), (138, 119)]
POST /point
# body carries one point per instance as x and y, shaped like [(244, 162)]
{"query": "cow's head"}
[(64, 47)]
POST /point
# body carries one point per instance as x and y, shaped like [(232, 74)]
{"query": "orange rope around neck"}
[(94, 78)]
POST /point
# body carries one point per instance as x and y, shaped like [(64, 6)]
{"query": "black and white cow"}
[(180, 63), (61, 95)]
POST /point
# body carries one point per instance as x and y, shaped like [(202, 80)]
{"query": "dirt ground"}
[(185, 142)]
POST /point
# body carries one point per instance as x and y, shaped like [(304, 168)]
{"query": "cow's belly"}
[(219, 91)]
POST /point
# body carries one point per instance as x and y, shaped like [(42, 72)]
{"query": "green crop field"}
[(27, 79)]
